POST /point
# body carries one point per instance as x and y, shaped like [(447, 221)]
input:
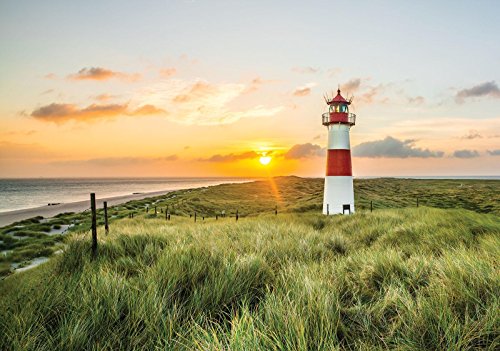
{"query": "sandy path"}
[(10, 217)]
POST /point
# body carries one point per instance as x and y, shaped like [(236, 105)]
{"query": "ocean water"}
[(16, 194)]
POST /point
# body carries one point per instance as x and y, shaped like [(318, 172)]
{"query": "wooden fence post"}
[(195, 216), (237, 215), (276, 210), (94, 224), (155, 211), (106, 225), (371, 206), (417, 201), (327, 209)]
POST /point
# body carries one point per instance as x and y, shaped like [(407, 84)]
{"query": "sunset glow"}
[(265, 160), (167, 96)]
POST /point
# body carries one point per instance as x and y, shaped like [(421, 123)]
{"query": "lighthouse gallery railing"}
[(327, 120)]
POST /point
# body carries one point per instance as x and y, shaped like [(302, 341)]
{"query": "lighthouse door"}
[(346, 207)]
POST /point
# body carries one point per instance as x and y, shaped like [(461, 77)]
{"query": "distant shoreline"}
[(47, 211), (30, 194)]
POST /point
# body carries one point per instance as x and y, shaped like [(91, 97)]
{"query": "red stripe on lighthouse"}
[(338, 163)]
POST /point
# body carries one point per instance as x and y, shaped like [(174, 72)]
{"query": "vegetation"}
[(20, 242), (402, 279), (395, 278)]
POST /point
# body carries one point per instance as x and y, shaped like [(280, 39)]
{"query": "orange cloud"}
[(50, 76), (197, 90), (147, 110), (304, 90), (200, 102), (63, 112), (100, 74), (231, 157), (167, 72), (255, 84), (104, 97)]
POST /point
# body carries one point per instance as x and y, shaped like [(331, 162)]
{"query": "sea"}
[(17, 194)]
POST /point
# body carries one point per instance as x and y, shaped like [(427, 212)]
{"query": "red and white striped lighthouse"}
[(339, 190)]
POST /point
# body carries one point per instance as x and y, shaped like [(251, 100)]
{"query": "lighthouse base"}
[(339, 195)]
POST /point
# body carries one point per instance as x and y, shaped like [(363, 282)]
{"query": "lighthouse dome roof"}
[(339, 99)]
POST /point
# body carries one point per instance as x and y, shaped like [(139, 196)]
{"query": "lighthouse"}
[(339, 191)]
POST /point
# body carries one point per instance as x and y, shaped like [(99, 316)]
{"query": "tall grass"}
[(412, 279)]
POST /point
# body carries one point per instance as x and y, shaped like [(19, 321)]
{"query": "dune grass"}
[(405, 279), (19, 241)]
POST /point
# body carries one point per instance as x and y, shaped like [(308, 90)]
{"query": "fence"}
[(166, 210)]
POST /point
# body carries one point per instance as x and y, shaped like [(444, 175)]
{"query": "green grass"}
[(408, 279), (398, 278)]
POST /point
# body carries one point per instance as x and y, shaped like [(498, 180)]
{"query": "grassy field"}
[(402, 277), (23, 241)]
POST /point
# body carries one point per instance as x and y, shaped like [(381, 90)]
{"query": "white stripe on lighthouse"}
[(339, 191), (338, 137)]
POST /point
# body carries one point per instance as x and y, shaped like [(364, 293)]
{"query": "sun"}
[(264, 160)]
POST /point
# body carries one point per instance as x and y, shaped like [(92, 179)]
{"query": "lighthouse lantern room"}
[(339, 190)]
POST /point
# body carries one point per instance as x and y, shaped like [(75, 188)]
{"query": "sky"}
[(203, 88)]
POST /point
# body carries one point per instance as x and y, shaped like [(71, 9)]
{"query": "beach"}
[(10, 217)]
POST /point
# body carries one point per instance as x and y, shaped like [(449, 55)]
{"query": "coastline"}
[(10, 217)]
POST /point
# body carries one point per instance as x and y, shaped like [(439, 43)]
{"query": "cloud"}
[(332, 72), (351, 86), (365, 94), (472, 134), (393, 148), (307, 150), (255, 84), (484, 89), (48, 91), (494, 152), (417, 100), (101, 74), (305, 70), (466, 154), (231, 157), (304, 90), (145, 110), (60, 113), (167, 72), (202, 103), (197, 91), (50, 76), (104, 97)]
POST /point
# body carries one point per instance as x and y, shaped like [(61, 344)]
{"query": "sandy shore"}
[(10, 217)]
